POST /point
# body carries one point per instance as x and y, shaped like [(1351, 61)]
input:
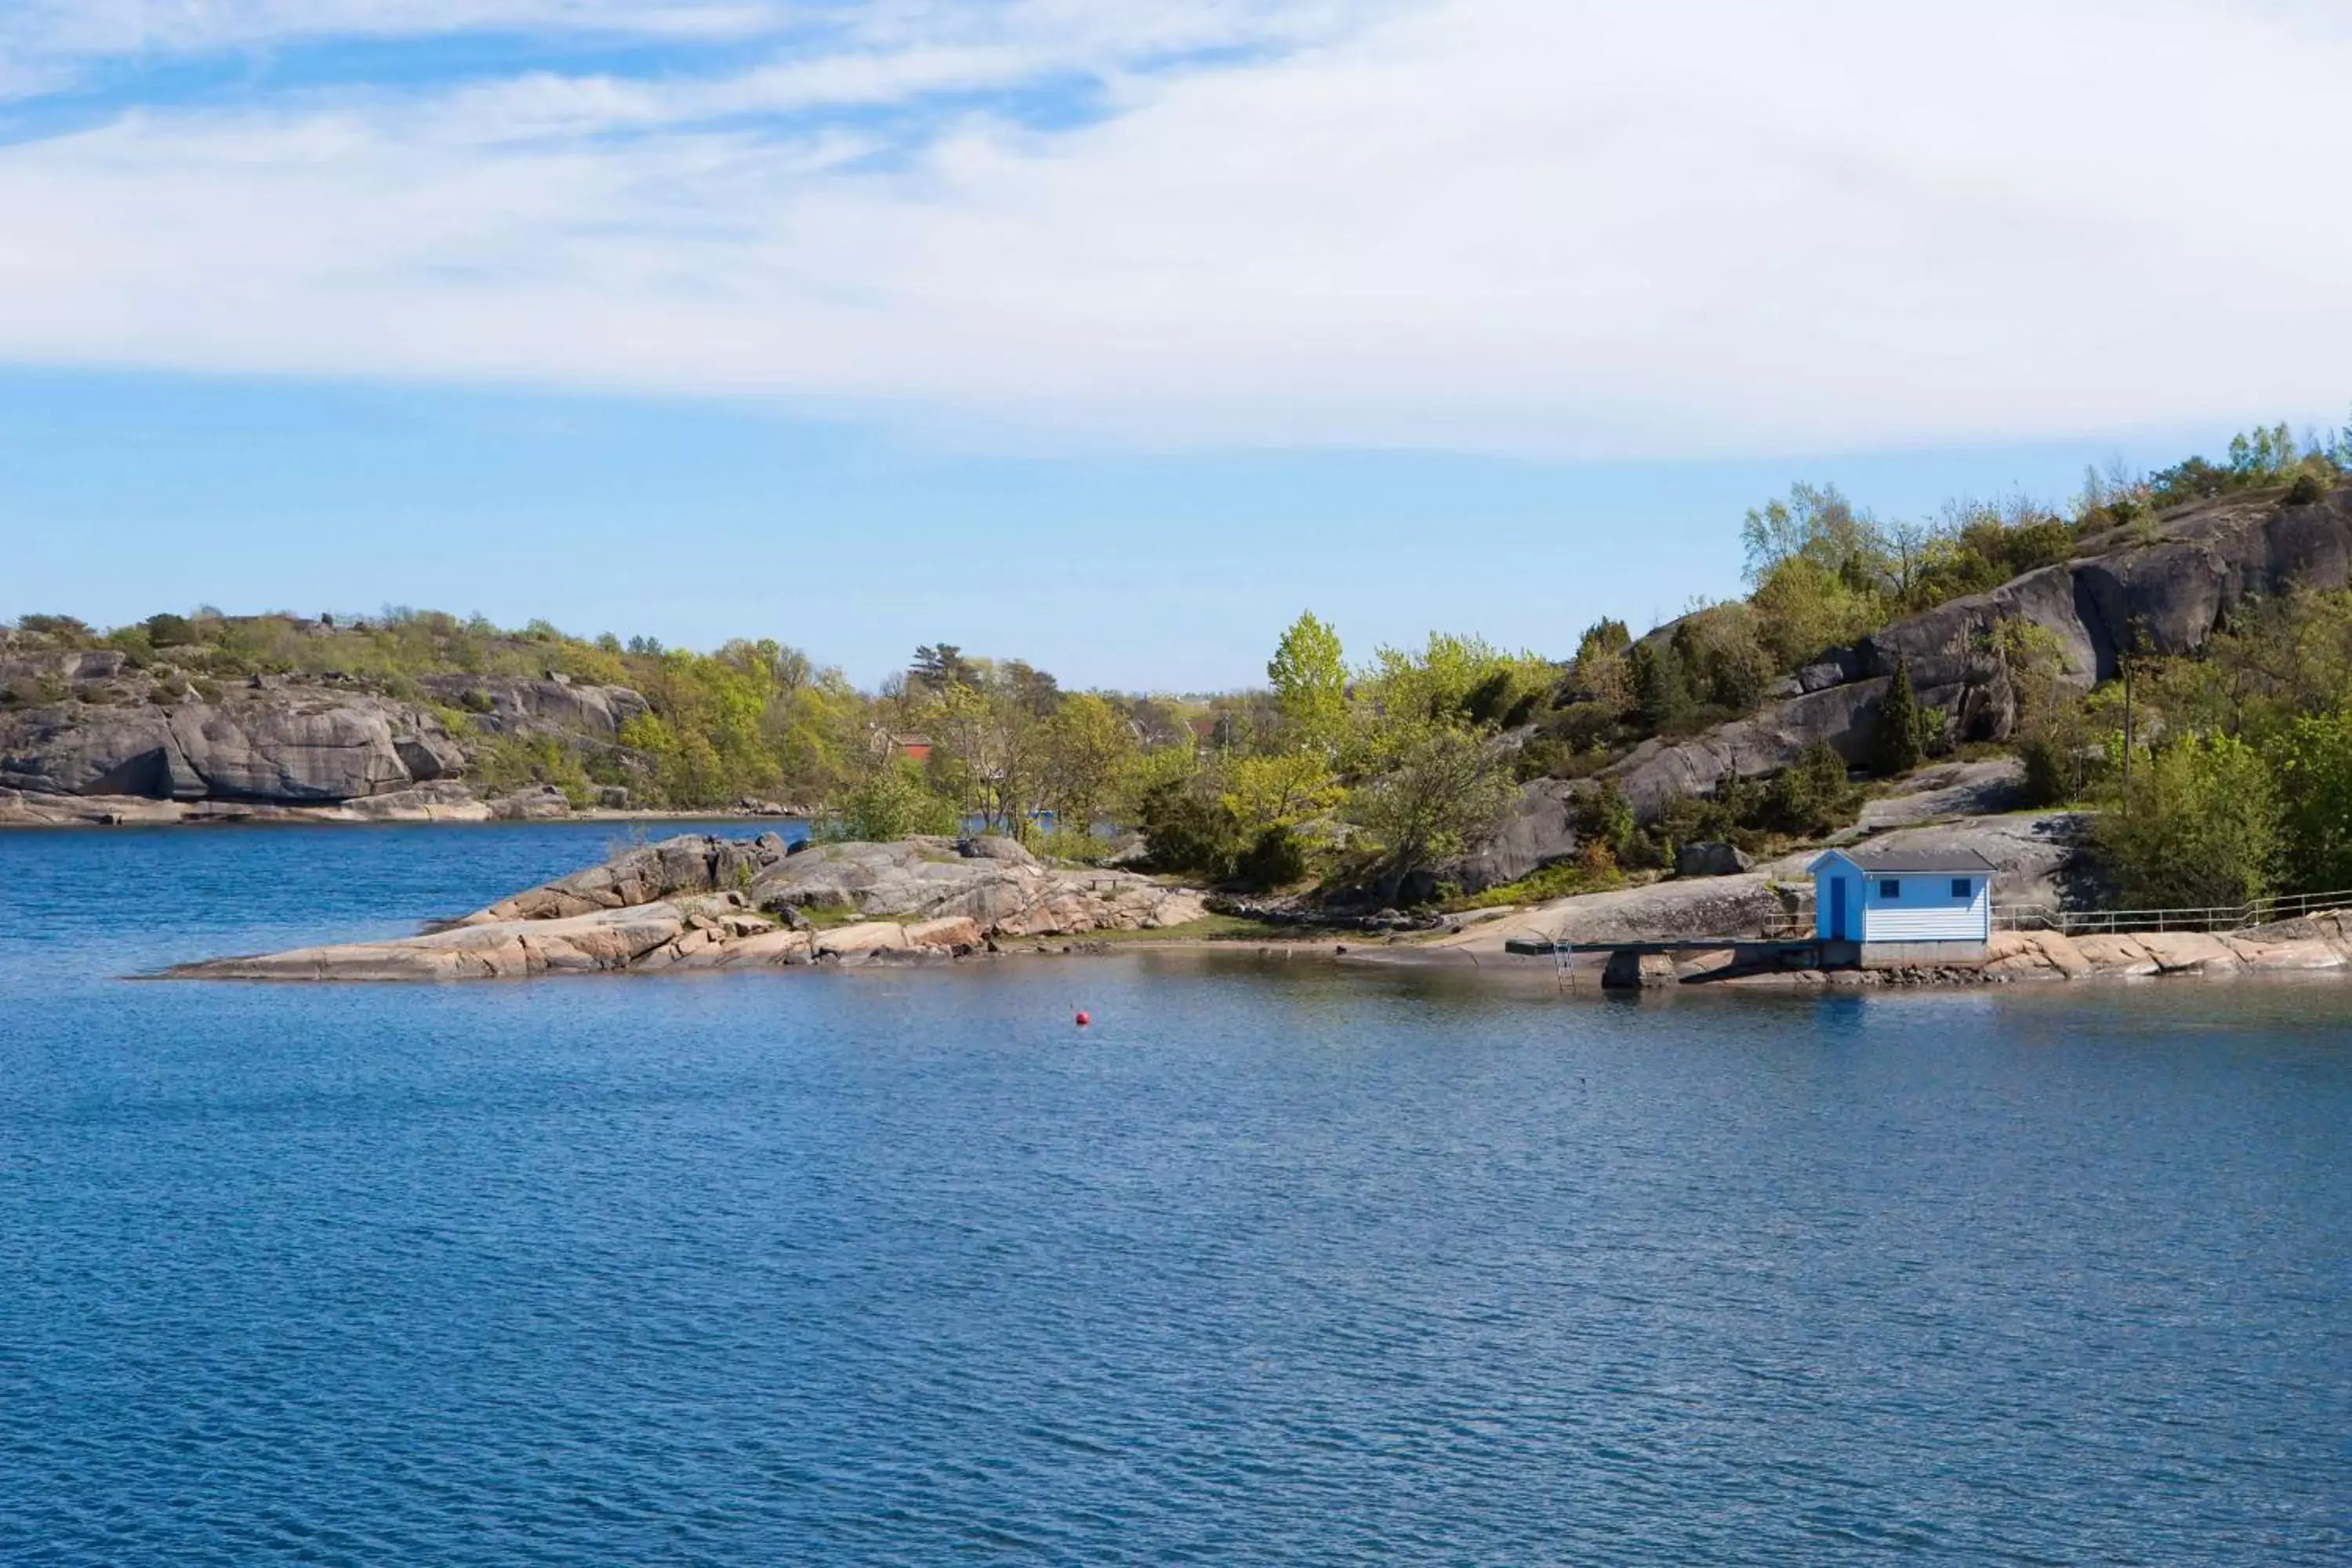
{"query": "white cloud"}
[(1546, 224)]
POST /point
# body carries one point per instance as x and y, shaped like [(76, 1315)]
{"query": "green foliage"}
[(1602, 639), (2197, 827), (1980, 546), (1602, 815), (2053, 774), (1662, 699), (893, 802), (1810, 798), (1898, 744), (2308, 489), (1563, 880), (503, 763), (2312, 765), (1309, 672), (1087, 746), (1276, 858), (169, 631), (1186, 827), (1815, 524), (1265, 794), (64, 629), (1804, 608), (1440, 789)]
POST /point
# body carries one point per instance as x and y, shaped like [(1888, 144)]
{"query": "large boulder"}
[(1540, 831), (1710, 860), (310, 753)]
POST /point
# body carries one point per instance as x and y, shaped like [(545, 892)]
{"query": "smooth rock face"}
[(269, 752), (1538, 832)]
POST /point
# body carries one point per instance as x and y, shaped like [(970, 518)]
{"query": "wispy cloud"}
[(1695, 225)]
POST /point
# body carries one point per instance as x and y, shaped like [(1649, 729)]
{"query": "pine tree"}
[(1897, 749)]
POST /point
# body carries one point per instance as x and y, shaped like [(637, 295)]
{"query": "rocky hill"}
[(85, 735), (2161, 590)]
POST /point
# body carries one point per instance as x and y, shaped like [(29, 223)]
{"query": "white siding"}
[(1926, 910)]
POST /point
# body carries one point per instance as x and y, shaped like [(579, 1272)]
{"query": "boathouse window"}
[(1963, 889), (1892, 888)]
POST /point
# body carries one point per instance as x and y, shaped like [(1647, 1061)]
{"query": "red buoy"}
[(1083, 1020)]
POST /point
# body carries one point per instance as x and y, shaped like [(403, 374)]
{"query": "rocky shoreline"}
[(700, 903), (446, 803)]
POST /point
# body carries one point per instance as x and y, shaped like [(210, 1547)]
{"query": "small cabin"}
[(1878, 907)]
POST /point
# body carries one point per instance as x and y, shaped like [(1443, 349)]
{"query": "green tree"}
[(1309, 673), (1804, 608), (1442, 790), (2197, 827), (1662, 699), (1896, 745), (1816, 523), (1267, 794), (893, 802), (1087, 745), (2312, 763)]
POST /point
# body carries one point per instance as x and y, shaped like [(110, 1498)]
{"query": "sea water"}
[(1276, 1264)]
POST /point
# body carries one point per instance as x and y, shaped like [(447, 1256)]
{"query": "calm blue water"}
[(1273, 1266)]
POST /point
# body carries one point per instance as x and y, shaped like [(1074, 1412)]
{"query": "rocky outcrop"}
[(2317, 945), (504, 706), (84, 724), (2160, 595), (288, 748), (993, 882), (699, 902)]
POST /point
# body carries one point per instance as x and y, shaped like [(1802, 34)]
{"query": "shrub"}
[(1602, 815), (170, 631), (1187, 829), (1276, 859), (1811, 797), (2051, 770), (893, 803), (2197, 828), (2308, 489)]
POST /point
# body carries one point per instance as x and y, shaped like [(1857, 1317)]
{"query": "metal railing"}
[(2110, 923)]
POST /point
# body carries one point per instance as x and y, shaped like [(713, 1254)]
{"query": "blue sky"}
[(1111, 334)]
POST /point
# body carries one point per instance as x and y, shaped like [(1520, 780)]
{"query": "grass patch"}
[(1561, 881), (831, 917)]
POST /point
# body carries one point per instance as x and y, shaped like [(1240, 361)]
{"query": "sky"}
[(1107, 333)]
